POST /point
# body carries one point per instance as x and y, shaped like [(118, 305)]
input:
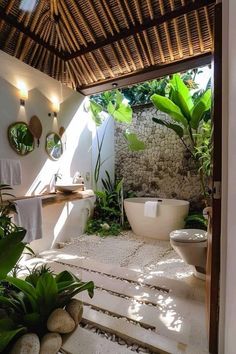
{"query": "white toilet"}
[(191, 245)]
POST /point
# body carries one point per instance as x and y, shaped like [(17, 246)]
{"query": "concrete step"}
[(82, 341), (167, 323), (174, 319), (173, 286), (143, 294)]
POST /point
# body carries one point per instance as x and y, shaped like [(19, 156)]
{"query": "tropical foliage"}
[(196, 221), (187, 116), (140, 94), (112, 104), (108, 217), (6, 207), (26, 304)]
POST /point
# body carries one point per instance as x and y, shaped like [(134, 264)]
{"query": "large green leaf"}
[(120, 112), (181, 95), (133, 142), (46, 292), (11, 249), (119, 185), (95, 110), (64, 276), (175, 127), (202, 106), (164, 104), (27, 289), (8, 332)]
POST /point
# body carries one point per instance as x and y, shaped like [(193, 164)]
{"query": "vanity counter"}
[(57, 198)]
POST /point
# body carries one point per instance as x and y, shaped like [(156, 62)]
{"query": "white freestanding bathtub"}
[(170, 216)]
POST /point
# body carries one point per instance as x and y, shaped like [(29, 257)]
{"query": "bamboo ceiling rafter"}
[(90, 43)]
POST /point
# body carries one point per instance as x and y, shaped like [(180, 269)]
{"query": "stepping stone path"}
[(130, 313)]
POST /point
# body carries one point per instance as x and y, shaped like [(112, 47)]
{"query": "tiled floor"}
[(143, 282)]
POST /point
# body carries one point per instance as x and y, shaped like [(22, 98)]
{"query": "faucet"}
[(57, 176)]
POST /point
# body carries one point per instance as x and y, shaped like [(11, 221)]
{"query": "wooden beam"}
[(11, 20), (146, 74), (132, 30)]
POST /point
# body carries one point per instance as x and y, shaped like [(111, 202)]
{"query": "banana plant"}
[(186, 116)]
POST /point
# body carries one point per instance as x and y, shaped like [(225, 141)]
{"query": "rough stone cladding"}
[(164, 169)]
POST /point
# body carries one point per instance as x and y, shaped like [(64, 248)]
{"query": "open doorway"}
[(153, 284)]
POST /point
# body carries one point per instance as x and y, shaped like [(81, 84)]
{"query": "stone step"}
[(133, 333), (174, 318), (82, 341), (167, 323), (143, 294), (176, 287)]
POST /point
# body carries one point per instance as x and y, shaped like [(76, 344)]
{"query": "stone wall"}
[(164, 169)]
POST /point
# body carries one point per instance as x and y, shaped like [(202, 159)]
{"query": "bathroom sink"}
[(69, 188)]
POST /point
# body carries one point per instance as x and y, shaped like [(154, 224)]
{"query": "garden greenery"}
[(25, 304), (111, 104), (189, 119), (108, 217)]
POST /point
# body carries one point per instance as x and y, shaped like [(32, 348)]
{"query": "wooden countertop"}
[(57, 198)]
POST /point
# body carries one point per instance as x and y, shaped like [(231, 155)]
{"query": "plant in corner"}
[(189, 119), (108, 217), (111, 103), (41, 302)]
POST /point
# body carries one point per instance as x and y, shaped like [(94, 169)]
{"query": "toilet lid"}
[(188, 235)]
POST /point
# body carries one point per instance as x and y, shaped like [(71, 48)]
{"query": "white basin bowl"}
[(69, 188)]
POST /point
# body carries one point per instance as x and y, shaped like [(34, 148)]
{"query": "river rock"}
[(50, 343), (75, 310), (27, 344), (60, 322)]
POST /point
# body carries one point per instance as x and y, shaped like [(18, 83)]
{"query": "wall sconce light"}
[(55, 107), (23, 93)]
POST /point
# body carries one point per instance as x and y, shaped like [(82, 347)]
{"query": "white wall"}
[(60, 221), (108, 148)]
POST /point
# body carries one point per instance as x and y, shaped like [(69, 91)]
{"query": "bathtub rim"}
[(141, 200)]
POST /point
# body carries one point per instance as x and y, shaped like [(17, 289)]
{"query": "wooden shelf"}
[(56, 198)]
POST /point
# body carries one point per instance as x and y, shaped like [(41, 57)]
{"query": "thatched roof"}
[(84, 43)]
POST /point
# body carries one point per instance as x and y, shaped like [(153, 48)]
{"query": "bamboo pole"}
[(97, 18), (127, 25), (66, 13), (208, 23), (97, 65), (128, 54), (104, 2), (179, 45), (190, 44), (104, 13), (122, 56), (81, 18), (199, 31), (166, 32)]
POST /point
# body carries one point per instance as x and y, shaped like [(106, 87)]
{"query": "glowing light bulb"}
[(23, 92), (55, 106)]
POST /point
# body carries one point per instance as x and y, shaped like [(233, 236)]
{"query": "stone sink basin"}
[(69, 188)]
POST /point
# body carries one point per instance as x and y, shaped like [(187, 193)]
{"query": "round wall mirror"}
[(20, 138), (53, 146)]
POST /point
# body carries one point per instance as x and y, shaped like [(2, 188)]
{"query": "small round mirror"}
[(20, 138), (54, 147)]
